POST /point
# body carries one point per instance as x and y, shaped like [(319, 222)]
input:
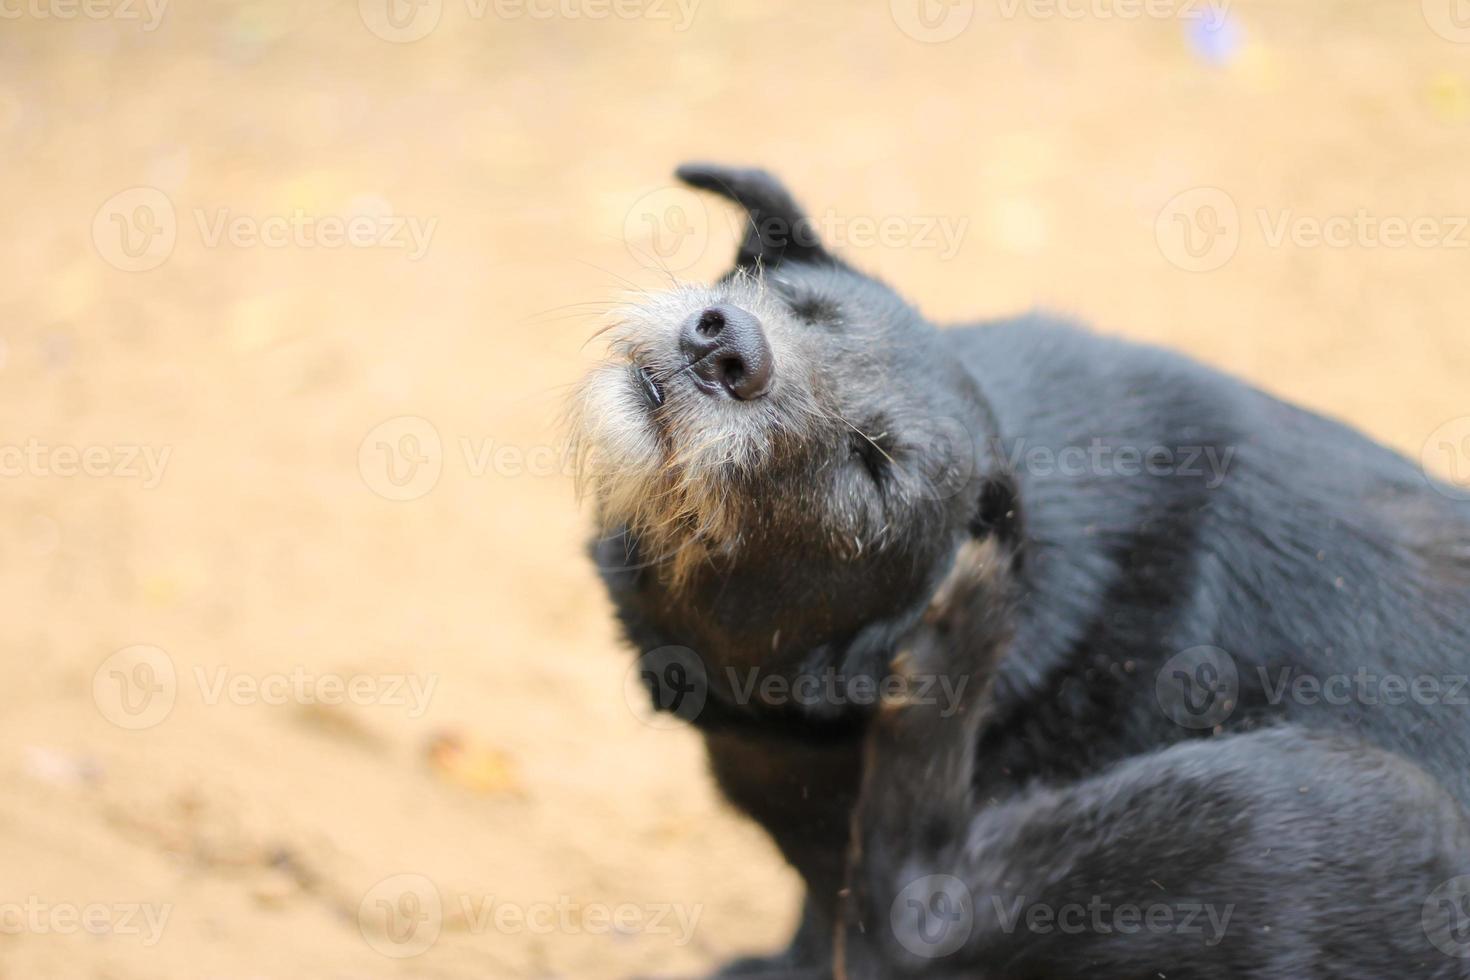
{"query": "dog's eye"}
[(816, 311), (869, 454)]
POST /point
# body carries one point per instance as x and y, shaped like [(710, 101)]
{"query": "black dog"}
[(795, 468)]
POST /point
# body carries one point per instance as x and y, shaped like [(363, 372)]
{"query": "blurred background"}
[(307, 674)]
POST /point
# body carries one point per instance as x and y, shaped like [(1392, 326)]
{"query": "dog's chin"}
[(657, 458), (613, 429)]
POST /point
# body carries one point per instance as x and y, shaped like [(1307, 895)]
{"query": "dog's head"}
[(783, 462)]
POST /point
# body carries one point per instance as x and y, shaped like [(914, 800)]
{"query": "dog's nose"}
[(728, 351)]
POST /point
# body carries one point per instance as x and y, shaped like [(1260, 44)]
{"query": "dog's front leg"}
[(917, 797)]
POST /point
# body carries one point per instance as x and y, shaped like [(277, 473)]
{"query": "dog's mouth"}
[(653, 392)]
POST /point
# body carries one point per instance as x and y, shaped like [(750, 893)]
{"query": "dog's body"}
[(1181, 558), (1287, 540)]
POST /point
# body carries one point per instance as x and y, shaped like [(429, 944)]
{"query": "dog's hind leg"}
[(1279, 853)]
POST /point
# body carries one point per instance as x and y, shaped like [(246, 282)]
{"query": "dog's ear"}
[(776, 229)]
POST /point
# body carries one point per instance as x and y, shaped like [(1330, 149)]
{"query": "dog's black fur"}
[(1293, 544)]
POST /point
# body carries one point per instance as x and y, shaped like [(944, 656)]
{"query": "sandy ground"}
[(306, 671)]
